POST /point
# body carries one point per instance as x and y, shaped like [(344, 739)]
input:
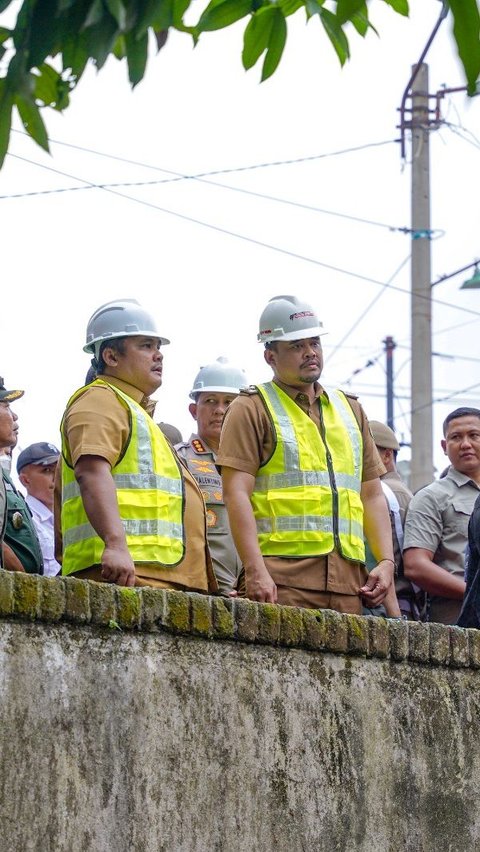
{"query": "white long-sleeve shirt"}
[(43, 520)]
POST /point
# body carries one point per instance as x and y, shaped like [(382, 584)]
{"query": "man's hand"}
[(117, 566), (260, 586), (378, 583), (237, 490), (99, 497), (11, 562)]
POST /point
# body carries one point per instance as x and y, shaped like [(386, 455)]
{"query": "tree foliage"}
[(45, 54)]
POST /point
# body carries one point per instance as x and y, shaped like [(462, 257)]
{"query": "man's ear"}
[(23, 479), (269, 355), (193, 409), (444, 446), (109, 356)]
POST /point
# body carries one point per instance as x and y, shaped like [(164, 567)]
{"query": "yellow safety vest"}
[(150, 494), (306, 497)]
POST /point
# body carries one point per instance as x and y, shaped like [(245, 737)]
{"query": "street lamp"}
[(472, 283)]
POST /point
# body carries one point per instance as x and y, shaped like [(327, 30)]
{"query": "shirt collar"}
[(294, 393), (460, 478), (130, 390), (43, 511)]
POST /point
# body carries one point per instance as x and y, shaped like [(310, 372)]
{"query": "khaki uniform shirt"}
[(247, 442), (201, 463), (437, 520), (98, 424)]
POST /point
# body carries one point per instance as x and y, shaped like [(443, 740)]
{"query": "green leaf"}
[(43, 31), (4, 34), (289, 7), (95, 14), (346, 9), (161, 38), (119, 50), (313, 7), (75, 56), (46, 85), (336, 35), (256, 37), (156, 15), (400, 6), (118, 12), (466, 29), (361, 23), (98, 41), (179, 9), (223, 13), (137, 52), (32, 120), (6, 104), (50, 88), (278, 37)]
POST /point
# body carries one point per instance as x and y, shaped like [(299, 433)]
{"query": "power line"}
[(369, 307), (260, 243), (201, 178), (448, 355), (451, 395), (456, 130), (251, 167)]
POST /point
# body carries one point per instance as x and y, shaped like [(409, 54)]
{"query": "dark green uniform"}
[(20, 533), (3, 515)]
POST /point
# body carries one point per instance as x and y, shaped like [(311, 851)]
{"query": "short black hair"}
[(459, 412)]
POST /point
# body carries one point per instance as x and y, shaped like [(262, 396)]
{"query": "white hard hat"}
[(121, 318), (287, 318), (219, 377)]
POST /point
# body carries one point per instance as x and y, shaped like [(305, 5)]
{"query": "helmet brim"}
[(301, 334), (213, 389), (90, 347)]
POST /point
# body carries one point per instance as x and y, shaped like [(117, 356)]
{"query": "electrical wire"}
[(451, 395), (369, 307), (456, 130), (251, 167), (202, 178), (259, 243)]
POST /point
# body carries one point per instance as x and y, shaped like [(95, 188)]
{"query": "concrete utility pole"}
[(421, 305), (390, 345)]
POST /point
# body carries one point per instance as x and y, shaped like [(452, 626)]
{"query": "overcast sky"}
[(304, 156)]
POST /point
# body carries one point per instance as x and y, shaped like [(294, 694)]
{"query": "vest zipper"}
[(333, 484)]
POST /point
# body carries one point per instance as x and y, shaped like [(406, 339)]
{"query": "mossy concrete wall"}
[(154, 721)]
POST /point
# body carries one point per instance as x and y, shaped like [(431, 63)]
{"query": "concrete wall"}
[(163, 722)]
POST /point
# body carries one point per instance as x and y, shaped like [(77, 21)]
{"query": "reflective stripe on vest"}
[(297, 490), (150, 495)]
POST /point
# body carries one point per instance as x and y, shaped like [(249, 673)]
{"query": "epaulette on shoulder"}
[(250, 390), (350, 395)]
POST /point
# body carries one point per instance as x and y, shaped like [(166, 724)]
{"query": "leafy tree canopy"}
[(46, 52)]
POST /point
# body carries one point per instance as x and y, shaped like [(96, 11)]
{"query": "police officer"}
[(214, 388), (301, 477), (21, 547)]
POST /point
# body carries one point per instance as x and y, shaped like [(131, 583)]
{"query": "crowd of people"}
[(284, 493)]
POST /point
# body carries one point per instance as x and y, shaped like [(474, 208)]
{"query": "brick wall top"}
[(84, 602)]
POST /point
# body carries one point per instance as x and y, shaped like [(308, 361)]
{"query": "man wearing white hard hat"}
[(301, 477), (214, 389), (131, 513)]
